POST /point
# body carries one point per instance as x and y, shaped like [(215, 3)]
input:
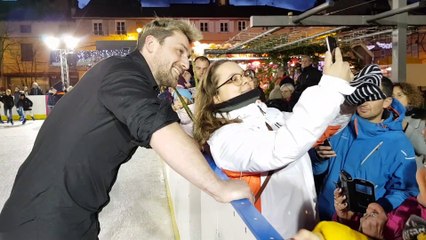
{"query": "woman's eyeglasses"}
[(237, 78)]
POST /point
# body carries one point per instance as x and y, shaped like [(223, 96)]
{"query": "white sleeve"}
[(239, 147)]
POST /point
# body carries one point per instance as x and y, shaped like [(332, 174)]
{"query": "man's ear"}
[(151, 43), (387, 102)]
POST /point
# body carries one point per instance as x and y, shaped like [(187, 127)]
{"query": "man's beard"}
[(165, 77)]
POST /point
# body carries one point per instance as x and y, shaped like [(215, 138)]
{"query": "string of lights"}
[(88, 58)]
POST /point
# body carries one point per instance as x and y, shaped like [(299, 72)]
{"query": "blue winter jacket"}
[(391, 166)]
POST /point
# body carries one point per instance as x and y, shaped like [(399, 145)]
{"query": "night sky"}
[(289, 4)]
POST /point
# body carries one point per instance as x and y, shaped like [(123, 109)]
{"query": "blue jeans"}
[(9, 116), (21, 113)]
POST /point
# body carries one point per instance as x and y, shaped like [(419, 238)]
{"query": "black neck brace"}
[(238, 102)]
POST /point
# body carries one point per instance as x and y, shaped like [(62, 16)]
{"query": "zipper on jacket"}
[(372, 151)]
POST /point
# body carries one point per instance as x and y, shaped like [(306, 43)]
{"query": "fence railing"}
[(199, 216)]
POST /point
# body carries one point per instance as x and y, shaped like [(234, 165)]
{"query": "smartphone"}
[(326, 143), (331, 45)]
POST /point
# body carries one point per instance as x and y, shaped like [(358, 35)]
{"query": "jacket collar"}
[(140, 61)]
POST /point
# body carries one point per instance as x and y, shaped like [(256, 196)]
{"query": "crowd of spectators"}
[(377, 135)]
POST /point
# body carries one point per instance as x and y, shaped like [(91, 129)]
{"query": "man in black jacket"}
[(65, 181), (310, 76)]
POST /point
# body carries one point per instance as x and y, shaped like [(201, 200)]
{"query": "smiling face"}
[(373, 110), (169, 59), (230, 77)]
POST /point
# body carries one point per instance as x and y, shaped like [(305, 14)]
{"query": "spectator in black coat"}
[(310, 76), (35, 89), (8, 104), (24, 105)]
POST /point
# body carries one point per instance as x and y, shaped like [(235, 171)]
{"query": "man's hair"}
[(202, 59), (162, 28), (387, 86)]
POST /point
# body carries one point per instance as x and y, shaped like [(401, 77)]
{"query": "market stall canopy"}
[(350, 21)]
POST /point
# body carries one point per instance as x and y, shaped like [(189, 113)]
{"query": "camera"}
[(359, 192)]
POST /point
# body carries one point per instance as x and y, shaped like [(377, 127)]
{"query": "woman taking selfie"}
[(250, 141)]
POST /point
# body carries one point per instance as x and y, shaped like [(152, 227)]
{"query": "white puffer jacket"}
[(288, 201)]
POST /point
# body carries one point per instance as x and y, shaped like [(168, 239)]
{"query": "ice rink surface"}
[(138, 208)]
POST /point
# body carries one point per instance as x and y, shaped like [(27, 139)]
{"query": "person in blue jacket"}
[(372, 147)]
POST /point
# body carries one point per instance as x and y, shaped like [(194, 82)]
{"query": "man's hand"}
[(341, 205), (374, 221), (234, 190), (339, 68), (325, 151)]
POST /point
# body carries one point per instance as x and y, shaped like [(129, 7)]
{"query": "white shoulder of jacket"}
[(337, 84)]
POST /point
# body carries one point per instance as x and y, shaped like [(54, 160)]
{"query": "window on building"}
[(27, 53), (204, 27), (97, 28), (241, 25), (224, 27), (120, 27), (25, 28)]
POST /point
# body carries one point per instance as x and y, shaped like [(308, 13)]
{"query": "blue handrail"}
[(256, 222)]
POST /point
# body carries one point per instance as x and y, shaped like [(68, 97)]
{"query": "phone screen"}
[(331, 45)]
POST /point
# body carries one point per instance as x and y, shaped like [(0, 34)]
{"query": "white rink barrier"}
[(39, 108), (199, 216)]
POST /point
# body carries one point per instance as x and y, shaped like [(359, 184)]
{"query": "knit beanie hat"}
[(367, 83)]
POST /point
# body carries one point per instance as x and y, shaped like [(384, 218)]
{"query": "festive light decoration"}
[(89, 58)]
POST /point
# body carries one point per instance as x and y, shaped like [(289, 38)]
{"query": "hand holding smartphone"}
[(326, 143), (331, 45)]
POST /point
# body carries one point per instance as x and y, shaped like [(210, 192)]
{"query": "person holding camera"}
[(373, 148)]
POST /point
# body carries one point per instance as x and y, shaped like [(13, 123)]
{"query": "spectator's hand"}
[(177, 104), (341, 205), (325, 151), (306, 235), (374, 221), (339, 68)]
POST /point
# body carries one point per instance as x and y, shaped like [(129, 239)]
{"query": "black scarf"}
[(238, 102)]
